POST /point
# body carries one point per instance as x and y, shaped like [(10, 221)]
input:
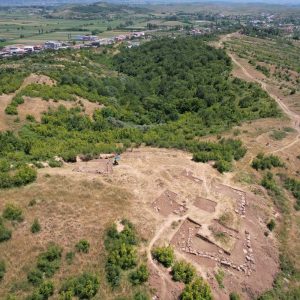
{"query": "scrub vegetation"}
[(182, 91)]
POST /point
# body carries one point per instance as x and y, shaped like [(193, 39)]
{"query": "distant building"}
[(106, 41), (120, 38), (37, 48), (4, 54), (29, 49), (52, 45), (16, 50), (133, 44), (138, 34), (86, 38)]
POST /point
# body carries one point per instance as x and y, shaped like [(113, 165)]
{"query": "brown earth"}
[(73, 205)]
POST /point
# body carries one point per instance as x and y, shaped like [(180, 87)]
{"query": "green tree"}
[(140, 275), (83, 246), (197, 290), (165, 255), (13, 213), (183, 271)]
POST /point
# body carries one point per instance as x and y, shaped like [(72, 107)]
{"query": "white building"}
[(52, 45), (28, 49)]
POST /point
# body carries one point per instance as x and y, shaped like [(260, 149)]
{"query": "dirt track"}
[(246, 70)]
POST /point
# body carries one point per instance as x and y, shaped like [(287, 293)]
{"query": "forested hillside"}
[(165, 93)]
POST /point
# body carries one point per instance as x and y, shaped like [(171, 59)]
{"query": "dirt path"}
[(165, 278), (295, 118)]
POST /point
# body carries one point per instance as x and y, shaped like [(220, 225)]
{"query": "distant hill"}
[(59, 2)]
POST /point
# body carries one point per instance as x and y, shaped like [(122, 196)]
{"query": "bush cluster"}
[(23, 175), (183, 271), (43, 292), (140, 275), (83, 246), (262, 162), (5, 233), (55, 163), (293, 185), (48, 262), (11, 79), (84, 286), (13, 213), (121, 252), (165, 255), (269, 183), (198, 289)]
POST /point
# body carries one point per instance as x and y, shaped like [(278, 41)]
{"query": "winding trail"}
[(295, 118), (164, 277)]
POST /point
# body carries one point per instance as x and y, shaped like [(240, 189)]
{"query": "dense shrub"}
[(141, 296), (5, 233), (196, 290), (35, 277), (23, 175), (113, 274), (2, 269), (140, 275), (223, 153), (271, 225), (222, 166), (262, 162), (269, 183), (11, 110), (148, 102), (30, 118), (49, 261), (293, 185), (70, 257), (43, 292), (83, 246), (55, 163), (46, 289), (183, 271), (234, 296), (84, 286), (165, 255), (35, 227), (121, 251), (13, 213), (11, 79)]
